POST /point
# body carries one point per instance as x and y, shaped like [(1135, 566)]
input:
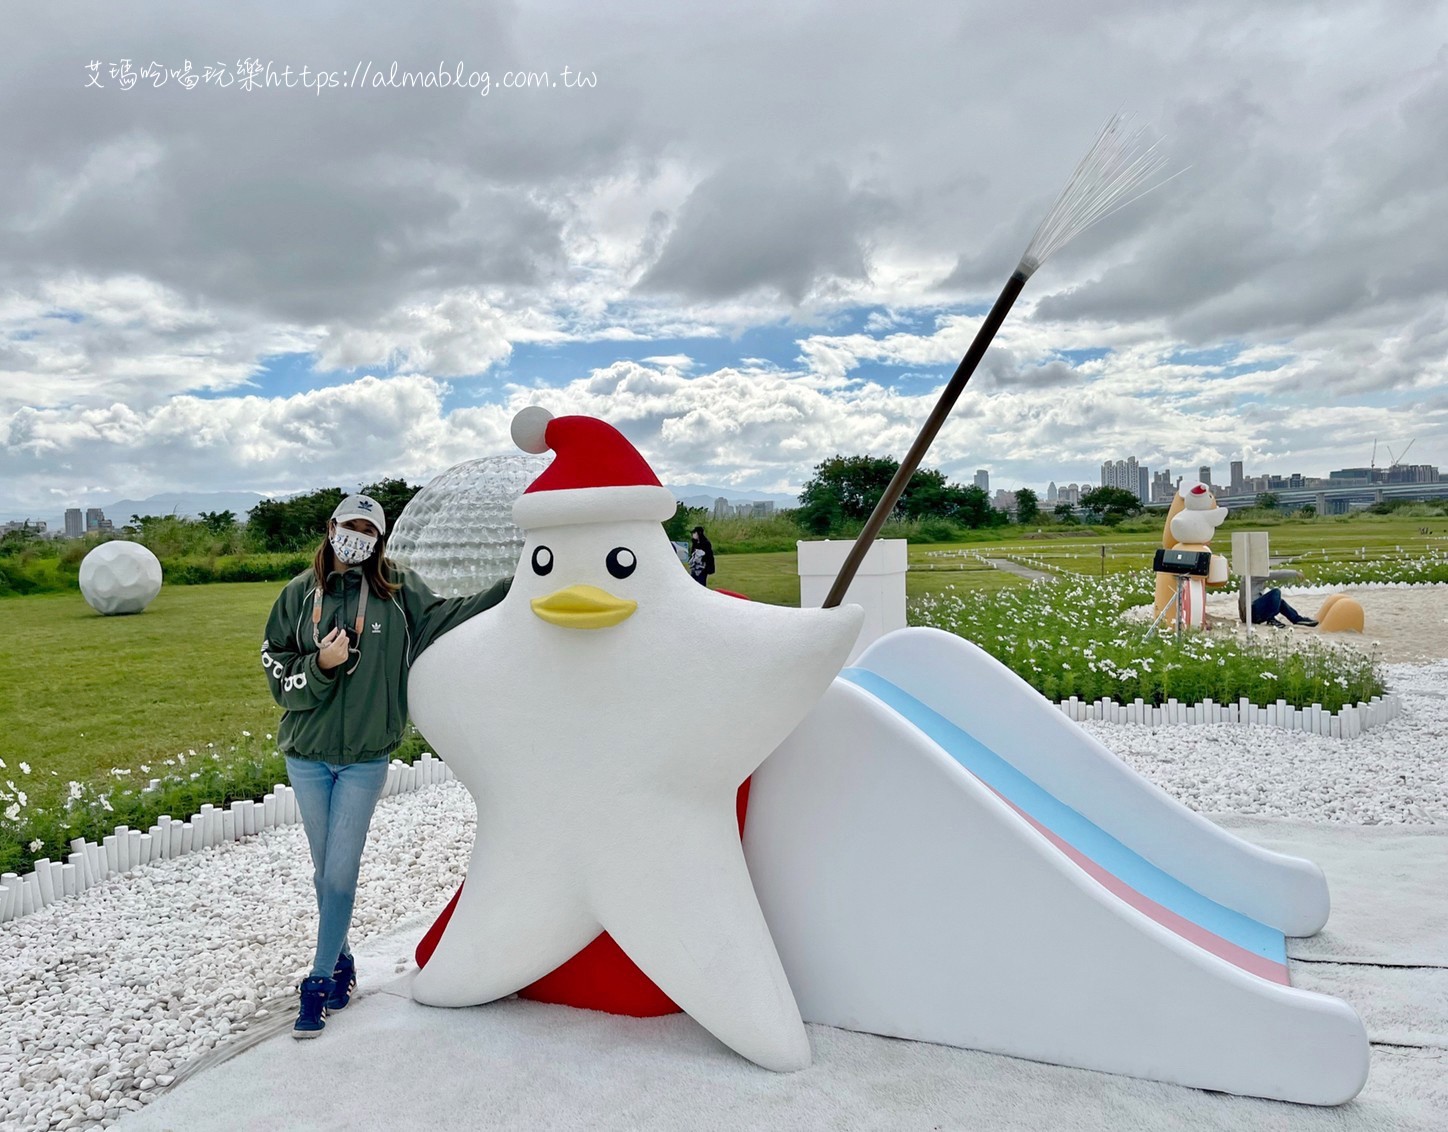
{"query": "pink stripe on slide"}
[(1194, 933)]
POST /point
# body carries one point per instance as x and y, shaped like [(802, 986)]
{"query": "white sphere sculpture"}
[(120, 577), (458, 533)]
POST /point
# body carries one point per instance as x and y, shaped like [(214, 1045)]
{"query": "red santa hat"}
[(596, 475)]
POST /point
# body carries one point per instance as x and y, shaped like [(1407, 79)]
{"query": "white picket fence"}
[(127, 849), (1348, 723)]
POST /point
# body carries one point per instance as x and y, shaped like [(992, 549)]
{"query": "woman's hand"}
[(334, 649)]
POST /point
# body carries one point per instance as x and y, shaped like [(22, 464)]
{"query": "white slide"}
[(941, 855)]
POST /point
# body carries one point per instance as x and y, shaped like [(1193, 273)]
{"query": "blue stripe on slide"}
[(1077, 831)]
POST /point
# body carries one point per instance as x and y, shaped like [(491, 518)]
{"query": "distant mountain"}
[(702, 495), (186, 504), (190, 504)]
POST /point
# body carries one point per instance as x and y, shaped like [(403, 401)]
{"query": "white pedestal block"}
[(76, 861), (78, 847), (68, 881), (228, 826), (173, 836), (269, 811), (879, 586), (133, 848), (188, 837), (42, 873), (6, 898)]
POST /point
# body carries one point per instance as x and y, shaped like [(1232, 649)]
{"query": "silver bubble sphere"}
[(458, 532)]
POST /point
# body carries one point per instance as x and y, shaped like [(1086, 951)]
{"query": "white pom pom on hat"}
[(529, 428), (596, 475)]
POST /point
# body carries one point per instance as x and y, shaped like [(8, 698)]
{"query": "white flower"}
[(247, 734), (106, 804), (120, 772), (12, 812), (25, 768), (2, 764), (145, 769), (73, 791), (21, 798), (37, 845)]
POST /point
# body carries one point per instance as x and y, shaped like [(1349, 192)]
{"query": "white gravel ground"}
[(1396, 773), (108, 995)]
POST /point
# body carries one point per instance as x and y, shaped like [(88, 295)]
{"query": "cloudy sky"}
[(752, 236)]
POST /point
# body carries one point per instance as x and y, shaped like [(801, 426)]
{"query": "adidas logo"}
[(377, 626)]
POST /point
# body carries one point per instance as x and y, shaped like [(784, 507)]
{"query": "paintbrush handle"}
[(948, 396)]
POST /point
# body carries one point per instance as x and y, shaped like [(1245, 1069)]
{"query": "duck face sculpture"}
[(603, 716)]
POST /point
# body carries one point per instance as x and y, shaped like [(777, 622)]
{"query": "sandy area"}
[(1405, 626)]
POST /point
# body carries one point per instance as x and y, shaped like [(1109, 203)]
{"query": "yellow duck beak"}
[(583, 607)]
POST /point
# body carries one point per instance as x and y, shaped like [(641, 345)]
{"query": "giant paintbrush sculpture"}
[(1122, 165)]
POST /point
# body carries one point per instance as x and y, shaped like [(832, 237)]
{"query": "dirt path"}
[(1021, 571)]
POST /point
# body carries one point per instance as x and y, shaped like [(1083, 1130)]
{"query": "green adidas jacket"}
[(343, 718)]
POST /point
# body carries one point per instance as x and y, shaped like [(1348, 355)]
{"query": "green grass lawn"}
[(87, 693)]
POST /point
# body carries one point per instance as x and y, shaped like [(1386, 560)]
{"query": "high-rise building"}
[(1204, 473), (982, 480), (1161, 487), (74, 522), (1143, 481), (1239, 483), (93, 517), (1126, 474), (722, 508), (1051, 492)]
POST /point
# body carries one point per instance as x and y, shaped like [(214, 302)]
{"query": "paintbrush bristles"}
[(1124, 163)]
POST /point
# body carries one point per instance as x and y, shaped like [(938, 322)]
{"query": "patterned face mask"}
[(352, 547)]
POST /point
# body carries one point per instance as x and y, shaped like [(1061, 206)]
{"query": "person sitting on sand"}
[(1267, 604)]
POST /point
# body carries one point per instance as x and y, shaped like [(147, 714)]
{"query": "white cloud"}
[(760, 166)]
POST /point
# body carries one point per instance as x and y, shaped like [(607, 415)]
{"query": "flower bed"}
[(1376, 566), (1066, 637), (243, 771)]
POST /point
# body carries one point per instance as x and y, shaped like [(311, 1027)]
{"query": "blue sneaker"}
[(344, 979), (311, 1018)]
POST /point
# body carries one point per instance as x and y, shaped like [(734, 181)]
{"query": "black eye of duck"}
[(621, 562), (542, 560)]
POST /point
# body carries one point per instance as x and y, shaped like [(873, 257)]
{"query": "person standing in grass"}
[(338, 645), (701, 557)]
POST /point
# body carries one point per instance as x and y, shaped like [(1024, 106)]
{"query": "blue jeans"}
[(1269, 605), (336, 803)]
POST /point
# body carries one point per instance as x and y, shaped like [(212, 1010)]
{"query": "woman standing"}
[(701, 557), (338, 644)]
